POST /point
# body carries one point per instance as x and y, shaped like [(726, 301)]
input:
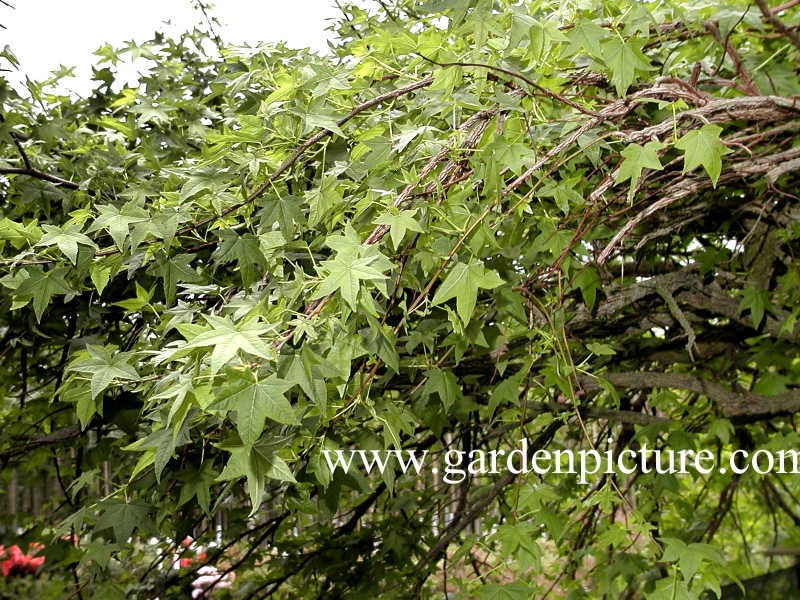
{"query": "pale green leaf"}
[(463, 283), (253, 403), (703, 147)]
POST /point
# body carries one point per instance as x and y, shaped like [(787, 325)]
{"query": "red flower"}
[(19, 563), (185, 562)]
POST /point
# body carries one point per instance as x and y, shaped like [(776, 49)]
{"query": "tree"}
[(478, 223)]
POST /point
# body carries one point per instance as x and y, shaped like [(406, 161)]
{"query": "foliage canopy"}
[(476, 222)]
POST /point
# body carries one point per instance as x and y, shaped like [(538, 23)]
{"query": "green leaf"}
[(588, 281), (40, 286), (301, 372), (443, 383), (198, 485), (254, 402), (399, 223), (637, 158), (671, 588), (100, 553), (345, 274), (117, 223), (103, 366), (771, 384), (175, 270), (600, 349), (506, 391), (204, 180), (689, 556), (722, 429), (623, 59), (161, 444), (66, 239), (323, 120), (463, 283), (18, 234), (507, 591), (323, 199), (227, 339), (756, 301), (257, 465), (123, 518), (245, 250), (518, 540), (100, 274), (587, 36), (85, 408), (703, 147)]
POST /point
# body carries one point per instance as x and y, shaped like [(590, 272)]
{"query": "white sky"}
[(44, 34)]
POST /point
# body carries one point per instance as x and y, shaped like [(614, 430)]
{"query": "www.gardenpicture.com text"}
[(456, 465)]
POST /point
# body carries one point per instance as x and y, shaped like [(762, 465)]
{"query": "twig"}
[(24, 156), (478, 122), (680, 316), (748, 84), (541, 89), (732, 404), (39, 175), (692, 185), (201, 6), (777, 23), (476, 509), (784, 6), (301, 149)]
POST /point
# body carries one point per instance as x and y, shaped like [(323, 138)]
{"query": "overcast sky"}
[(47, 33)]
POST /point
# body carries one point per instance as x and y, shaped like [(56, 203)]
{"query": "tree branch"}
[(731, 404), (301, 149), (770, 17), (56, 437), (39, 175)]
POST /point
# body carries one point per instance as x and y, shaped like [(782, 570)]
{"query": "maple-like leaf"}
[(353, 264), (245, 250), (254, 402), (123, 518), (638, 158), (67, 240), (399, 223), (117, 223), (703, 147), (623, 59), (103, 366), (174, 270), (463, 283), (226, 338), (40, 287), (256, 464), (346, 276)]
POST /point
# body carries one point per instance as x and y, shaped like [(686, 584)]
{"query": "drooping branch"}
[(477, 507), (748, 84), (773, 20), (56, 437), (301, 149), (40, 175), (731, 403), (773, 164)]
